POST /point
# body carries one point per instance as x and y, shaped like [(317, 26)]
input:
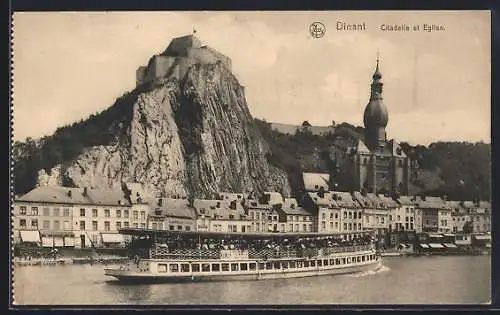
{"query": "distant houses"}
[(84, 217)]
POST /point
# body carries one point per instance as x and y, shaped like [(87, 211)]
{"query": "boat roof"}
[(262, 235)]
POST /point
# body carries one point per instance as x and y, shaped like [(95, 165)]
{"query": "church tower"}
[(376, 117)]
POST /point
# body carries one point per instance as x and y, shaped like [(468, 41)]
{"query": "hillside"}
[(191, 136), (460, 170)]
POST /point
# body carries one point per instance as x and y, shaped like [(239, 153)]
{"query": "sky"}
[(68, 65)]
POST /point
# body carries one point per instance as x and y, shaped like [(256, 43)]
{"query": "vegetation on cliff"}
[(460, 170)]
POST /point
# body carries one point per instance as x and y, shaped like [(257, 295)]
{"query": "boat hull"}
[(141, 277)]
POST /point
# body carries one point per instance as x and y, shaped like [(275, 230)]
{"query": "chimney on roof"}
[(85, 191), (444, 197), (69, 193)]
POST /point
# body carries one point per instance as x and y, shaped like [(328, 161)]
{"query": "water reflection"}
[(400, 281)]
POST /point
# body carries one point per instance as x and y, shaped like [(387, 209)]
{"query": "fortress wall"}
[(140, 75), (161, 65)]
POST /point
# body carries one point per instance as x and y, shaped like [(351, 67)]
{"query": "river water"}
[(401, 280)]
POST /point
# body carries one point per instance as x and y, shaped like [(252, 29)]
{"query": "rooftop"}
[(314, 181), (66, 195)]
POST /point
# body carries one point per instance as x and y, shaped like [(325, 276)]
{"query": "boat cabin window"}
[(363, 258), (234, 267), (195, 267), (174, 267), (185, 267), (306, 264), (299, 264), (252, 266), (358, 259), (320, 263), (284, 264), (205, 267), (337, 261), (262, 266), (225, 267), (348, 260), (215, 267), (325, 262), (292, 264), (277, 265), (269, 266), (313, 263), (332, 262), (162, 268), (243, 266)]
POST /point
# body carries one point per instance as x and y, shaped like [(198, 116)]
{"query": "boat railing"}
[(266, 253)]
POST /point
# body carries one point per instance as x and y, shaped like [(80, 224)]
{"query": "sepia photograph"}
[(253, 158)]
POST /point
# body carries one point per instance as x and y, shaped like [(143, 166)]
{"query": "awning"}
[(449, 235), (482, 237), (488, 245), (435, 235), (30, 236), (69, 241), (435, 245), (112, 238), (449, 245), (47, 241), (58, 241), (424, 245)]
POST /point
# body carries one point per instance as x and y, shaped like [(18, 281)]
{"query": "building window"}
[(382, 220), (188, 228), (136, 215), (46, 225), (66, 212), (136, 225), (22, 223), (350, 226), (82, 225), (331, 225), (56, 212), (336, 225), (118, 225), (22, 210), (125, 214), (323, 216), (106, 213), (407, 226), (46, 212), (34, 224), (56, 225), (94, 226), (171, 228), (336, 216), (323, 224), (94, 213), (82, 212), (367, 219), (411, 226), (359, 226), (143, 225), (34, 210), (290, 227), (107, 226), (66, 225), (118, 213), (350, 215), (125, 224), (143, 215), (345, 226)]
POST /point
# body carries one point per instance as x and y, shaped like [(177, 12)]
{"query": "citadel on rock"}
[(378, 198)]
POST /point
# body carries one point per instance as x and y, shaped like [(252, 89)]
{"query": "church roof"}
[(362, 148)]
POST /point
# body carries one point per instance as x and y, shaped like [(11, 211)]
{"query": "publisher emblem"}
[(317, 29)]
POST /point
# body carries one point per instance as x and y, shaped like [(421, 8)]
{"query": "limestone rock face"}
[(192, 136)]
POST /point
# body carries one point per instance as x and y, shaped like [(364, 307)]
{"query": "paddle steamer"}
[(170, 256)]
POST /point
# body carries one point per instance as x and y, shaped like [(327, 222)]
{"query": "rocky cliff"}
[(189, 136)]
